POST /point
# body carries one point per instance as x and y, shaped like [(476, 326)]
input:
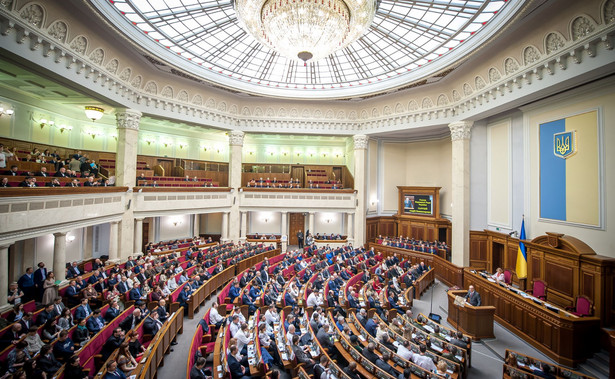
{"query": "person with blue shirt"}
[(96, 322), (371, 325), (184, 297), (234, 292), (84, 310)]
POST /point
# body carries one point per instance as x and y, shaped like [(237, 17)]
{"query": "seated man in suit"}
[(96, 322), (368, 353), (302, 356), (113, 371), (46, 314), (198, 370), (152, 324), (112, 343), (473, 297), (371, 325), (83, 310), (382, 364), (238, 371), (184, 297)]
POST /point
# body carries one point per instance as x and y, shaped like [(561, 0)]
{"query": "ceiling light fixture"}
[(94, 113), (306, 30)]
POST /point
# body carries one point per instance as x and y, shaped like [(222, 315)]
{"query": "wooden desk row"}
[(565, 338)]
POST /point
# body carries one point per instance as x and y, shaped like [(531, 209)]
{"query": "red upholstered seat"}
[(583, 306), (507, 276), (539, 289)]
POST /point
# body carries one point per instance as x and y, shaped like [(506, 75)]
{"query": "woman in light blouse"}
[(499, 275)]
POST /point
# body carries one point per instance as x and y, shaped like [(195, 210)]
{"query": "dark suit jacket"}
[(195, 373), (150, 326), (473, 298), (372, 357), (109, 346), (48, 364), (235, 367), (386, 367)]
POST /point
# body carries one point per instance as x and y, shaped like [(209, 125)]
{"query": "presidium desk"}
[(560, 335)]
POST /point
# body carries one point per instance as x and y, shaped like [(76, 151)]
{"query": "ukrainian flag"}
[(522, 255), (569, 169)]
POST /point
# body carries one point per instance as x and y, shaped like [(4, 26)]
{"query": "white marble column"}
[(360, 158), (196, 225), (460, 247), (127, 122), (88, 239), (243, 230), (349, 227), (224, 237), (311, 223), (59, 255), (235, 140), (138, 246), (4, 272), (113, 242), (284, 230)]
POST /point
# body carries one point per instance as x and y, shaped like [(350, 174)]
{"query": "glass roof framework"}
[(405, 37)]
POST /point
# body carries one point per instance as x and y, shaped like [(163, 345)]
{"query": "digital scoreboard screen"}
[(418, 204)]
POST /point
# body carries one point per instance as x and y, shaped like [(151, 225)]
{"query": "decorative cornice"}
[(128, 119), (91, 66), (360, 141), (460, 130), (235, 138)]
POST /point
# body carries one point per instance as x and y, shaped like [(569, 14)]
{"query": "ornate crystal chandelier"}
[(305, 29)]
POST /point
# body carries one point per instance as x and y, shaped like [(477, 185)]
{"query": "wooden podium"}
[(476, 322)]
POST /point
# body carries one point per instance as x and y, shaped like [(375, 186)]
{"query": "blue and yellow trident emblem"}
[(564, 144)]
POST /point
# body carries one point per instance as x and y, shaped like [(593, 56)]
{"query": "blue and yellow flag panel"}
[(569, 169)]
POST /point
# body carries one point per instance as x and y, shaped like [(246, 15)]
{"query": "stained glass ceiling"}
[(407, 41)]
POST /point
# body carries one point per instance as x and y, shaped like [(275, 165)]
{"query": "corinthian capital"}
[(127, 118), (460, 130), (235, 138), (360, 141)]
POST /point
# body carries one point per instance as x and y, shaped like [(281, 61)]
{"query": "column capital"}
[(139, 219), (127, 118), (114, 222), (235, 137), (461, 130), (6, 245), (284, 212), (360, 141), (60, 234)]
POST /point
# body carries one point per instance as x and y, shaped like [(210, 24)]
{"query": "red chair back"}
[(584, 306), (507, 276), (539, 289)]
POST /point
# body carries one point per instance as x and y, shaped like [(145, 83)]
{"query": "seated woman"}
[(499, 275), (125, 361)]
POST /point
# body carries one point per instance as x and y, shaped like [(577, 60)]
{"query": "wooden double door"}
[(296, 223)]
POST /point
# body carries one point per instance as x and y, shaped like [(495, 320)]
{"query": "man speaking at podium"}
[(473, 297)]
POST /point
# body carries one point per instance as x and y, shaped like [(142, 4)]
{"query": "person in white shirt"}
[(214, 316), (289, 335), (242, 338), (235, 325), (294, 291), (314, 299), (172, 284), (271, 315), (423, 360), (237, 312), (499, 275), (381, 330), (4, 154), (403, 350)]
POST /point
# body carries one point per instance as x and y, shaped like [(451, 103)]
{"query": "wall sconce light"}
[(204, 148), (328, 221), (251, 152), (64, 127), (114, 136), (374, 202), (94, 134), (285, 153), (167, 143), (43, 122), (271, 153), (94, 113), (150, 141), (298, 154), (9, 112), (177, 222), (324, 155), (266, 220), (70, 238), (182, 145)]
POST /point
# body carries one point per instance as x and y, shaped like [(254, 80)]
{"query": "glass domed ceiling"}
[(407, 41)]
